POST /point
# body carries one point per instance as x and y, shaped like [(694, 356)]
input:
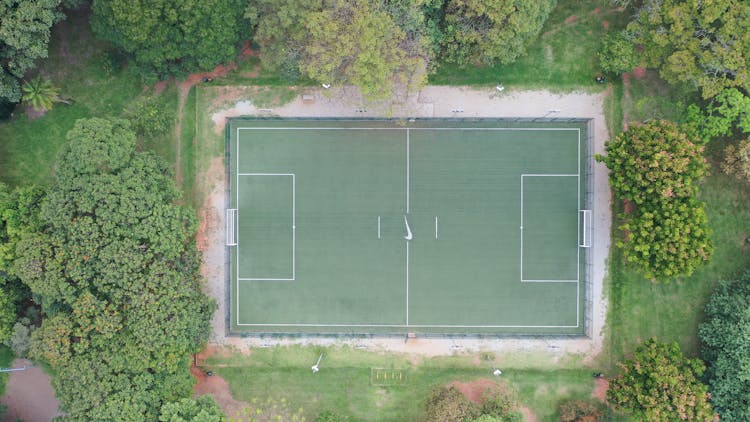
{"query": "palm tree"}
[(40, 94)]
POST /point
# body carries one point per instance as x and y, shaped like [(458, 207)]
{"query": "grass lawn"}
[(563, 58), (343, 383), (640, 309)]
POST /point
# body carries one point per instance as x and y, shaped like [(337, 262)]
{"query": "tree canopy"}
[(725, 345), (167, 37), (24, 36), (657, 169), (200, 409), (702, 44), (660, 384), (489, 31), (116, 268), (373, 45)]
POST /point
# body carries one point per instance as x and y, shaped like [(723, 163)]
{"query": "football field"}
[(392, 227)]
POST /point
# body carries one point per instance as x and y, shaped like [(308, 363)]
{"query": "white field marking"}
[(408, 230), (412, 326), (294, 228), (416, 128), (436, 227), (407, 173), (237, 204), (578, 257), (437, 129), (407, 283), (378, 227)]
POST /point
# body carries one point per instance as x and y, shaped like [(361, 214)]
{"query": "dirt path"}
[(29, 395)]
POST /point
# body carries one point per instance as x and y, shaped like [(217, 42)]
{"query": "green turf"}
[(309, 258)]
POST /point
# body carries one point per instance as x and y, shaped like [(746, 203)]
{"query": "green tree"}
[(24, 36), (201, 409), (657, 169), (19, 214), (115, 266), (171, 37), (353, 42), (660, 384), (281, 33), (725, 346), (701, 44), (489, 31), (726, 114), (447, 404), (40, 94)]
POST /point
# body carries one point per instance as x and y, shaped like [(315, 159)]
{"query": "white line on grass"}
[(407, 171), (407, 283)]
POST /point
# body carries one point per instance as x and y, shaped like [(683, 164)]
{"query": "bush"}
[(501, 401), (580, 411), (737, 160), (149, 117), (329, 416), (21, 339), (617, 54), (447, 404)]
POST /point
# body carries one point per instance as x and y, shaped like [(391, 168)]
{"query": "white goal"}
[(231, 231), (585, 216)]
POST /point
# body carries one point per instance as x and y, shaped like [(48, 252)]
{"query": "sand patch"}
[(474, 390), (29, 395)]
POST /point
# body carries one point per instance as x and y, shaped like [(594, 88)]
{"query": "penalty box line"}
[(578, 276), (294, 229)]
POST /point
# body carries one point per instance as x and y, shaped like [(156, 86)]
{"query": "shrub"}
[(447, 404), (580, 411), (149, 117), (737, 160), (617, 54), (21, 339), (329, 416), (501, 401)]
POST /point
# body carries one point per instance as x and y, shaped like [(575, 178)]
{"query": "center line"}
[(407, 170), (407, 283)]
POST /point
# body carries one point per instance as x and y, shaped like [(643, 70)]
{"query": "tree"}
[(24, 36), (19, 213), (116, 269), (660, 384), (657, 169), (724, 115), (702, 44), (501, 402), (201, 409), (167, 37), (489, 31), (40, 94), (447, 404), (353, 42), (725, 346), (281, 33)]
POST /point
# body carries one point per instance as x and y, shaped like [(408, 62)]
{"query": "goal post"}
[(231, 217), (585, 217)]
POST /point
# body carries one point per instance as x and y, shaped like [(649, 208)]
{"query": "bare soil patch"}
[(219, 389), (529, 415), (600, 390), (474, 390), (29, 395), (571, 19), (639, 72), (605, 25), (32, 113)]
